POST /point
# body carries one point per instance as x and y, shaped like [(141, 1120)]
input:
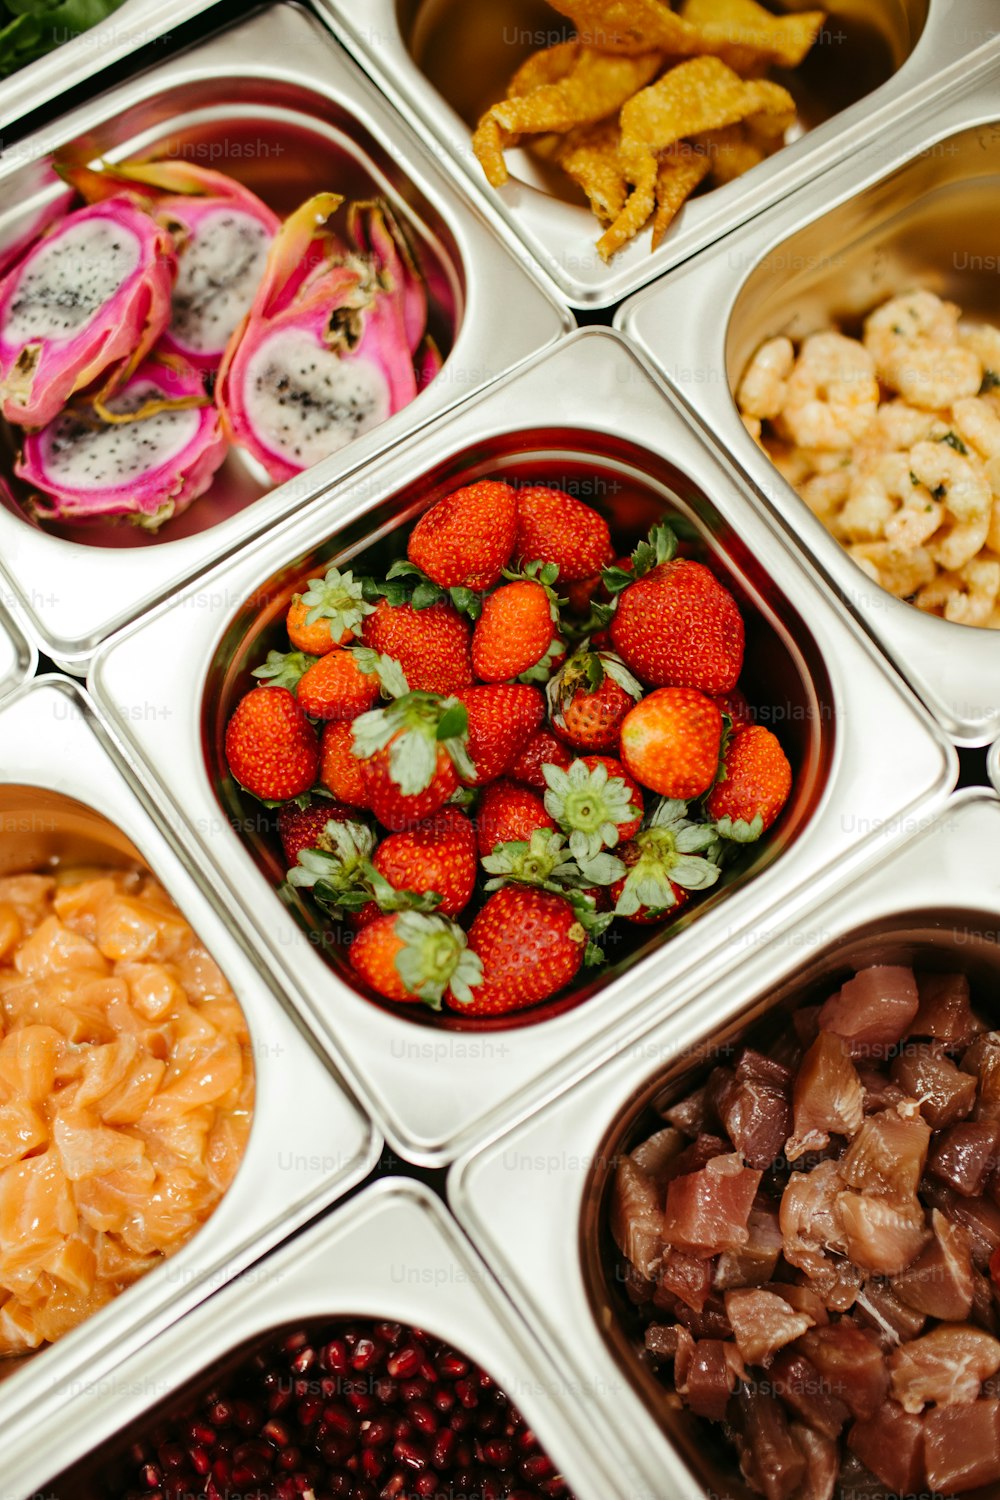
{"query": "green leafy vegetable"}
[(31, 28)]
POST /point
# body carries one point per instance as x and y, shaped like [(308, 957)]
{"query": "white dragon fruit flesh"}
[(89, 300), (222, 233), (148, 465), (334, 342)]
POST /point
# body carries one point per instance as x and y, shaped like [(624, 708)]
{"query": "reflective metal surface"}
[(18, 657), (587, 415), (993, 765), (915, 207), (534, 1200), (63, 798), (278, 103), (393, 1254), (872, 60)]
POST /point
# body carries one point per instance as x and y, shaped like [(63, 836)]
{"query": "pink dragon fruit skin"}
[(147, 469), (94, 293), (326, 352)]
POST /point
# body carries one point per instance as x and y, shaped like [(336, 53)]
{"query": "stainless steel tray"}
[(276, 99), (993, 764), (135, 24), (586, 406), (394, 1253), (62, 794), (531, 1199), (18, 657), (924, 47), (896, 213)]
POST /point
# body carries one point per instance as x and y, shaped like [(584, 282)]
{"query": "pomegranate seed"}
[(444, 1399), (466, 1392), (538, 1466), (289, 1458), (336, 1450), (459, 1421), (411, 1454), (244, 1415), (172, 1456), (390, 1333), (276, 1433), (340, 1420), (499, 1453), (489, 1423), (222, 1471), (333, 1356), (407, 1362), (378, 1434), (414, 1390), (443, 1448), (152, 1476), (371, 1464), (309, 1410), (402, 1429), (279, 1400), (362, 1403), (452, 1365), (395, 1486), (365, 1355), (491, 1489), (423, 1417), (426, 1486), (200, 1460)]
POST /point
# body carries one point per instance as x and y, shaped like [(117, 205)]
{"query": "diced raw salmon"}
[(20, 1265), (54, 948), (107, 1203), (73, 1262), (22, 1129), (18, 1330), (78, 903), (11, 928), (28, 1060), (141, 927), (175, 1136), (88, 1149), (154, 989), (66, 1308), (227, 1141), (203, 979), (214, 1070), (35, 1201)]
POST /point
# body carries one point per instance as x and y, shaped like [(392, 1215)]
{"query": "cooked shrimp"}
[(952, 478), (876, 495), (977, 423), (914, 343), (762, 390), (968, 597), (900, 573), (984, 340), (832, 393)]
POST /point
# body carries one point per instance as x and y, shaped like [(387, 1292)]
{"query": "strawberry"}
[(589, 697), (502, 716), (507, 813), (412, 956), (514, 631), (465, 540), (337, 873), (679, 627), (340, 769), (595, 802), (663, 864), (328, 614), (670, 742), (345, 683), (735, 704), (530, 943), (754, 786), (305, 827), (412, 753), (431, 645), (553, 527), (438, 855), (541, 750), (271, 747)]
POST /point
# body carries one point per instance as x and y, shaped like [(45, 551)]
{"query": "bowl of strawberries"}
[(532, 728)]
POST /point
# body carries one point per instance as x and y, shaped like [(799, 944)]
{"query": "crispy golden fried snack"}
[(731, 151), (596, 85), (746, 36), (679, 172), (701, 94), (590, 156)]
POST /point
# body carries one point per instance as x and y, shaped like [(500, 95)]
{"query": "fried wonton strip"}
[(701, 94), (548, 66), (730, 152), (745, 35), (678, 173), (596, 85), (590, 156)]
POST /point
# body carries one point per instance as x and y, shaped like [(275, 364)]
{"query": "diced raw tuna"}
[(879, 1089), (687, 1278), (805, 1020), (804, 1298), (891, 1444), (873, 1010), (705, 1378), (688, 1114), (983, 1059), (926, 1073), (755, 1263), (947, 1366), (962, 1447), (965, 1155), (807, 1395), (757, 1067), (663, 1340), (827, 1096), (812, 1228), (756, 1117), (939, 1282), (763, 1323), (887, 1156), (707, 1211), (773, 1462), (636, 1217), (655, 1155), (882, 1237), (710, 1323), (822, 1463), (850, 1361), (946, 1012), (698, 1154), (980, 1217), (878, 1307)]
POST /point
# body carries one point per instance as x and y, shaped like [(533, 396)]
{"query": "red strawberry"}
[(755, 786), (340, 769), (595, 802), (664, 863), (589, 697), (336, 687), (679, 627), (437, 855), (305, 827), (502, 715), (556, 528), (465, 540), (670, 742), (508, 812), (327, 614), (531, 943), (431, 645), (412, 956), (271, 747), (513, 632), (541, 750), (736, 706), (412, 753)]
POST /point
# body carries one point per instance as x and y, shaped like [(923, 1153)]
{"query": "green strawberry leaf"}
[(454, 722), (284, 669), (740, 831)]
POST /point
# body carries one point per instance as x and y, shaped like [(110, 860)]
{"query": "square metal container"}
[(394, 1253), (878, 58), (993, 764), (586, 406), (534, 1199), (18, 657), (135, 24), (62, 795), (917, 206), (276, 100)]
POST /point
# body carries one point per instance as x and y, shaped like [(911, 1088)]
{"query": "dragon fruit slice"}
[(95, 291), (158, 452), (327, 352), (222, 233)]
